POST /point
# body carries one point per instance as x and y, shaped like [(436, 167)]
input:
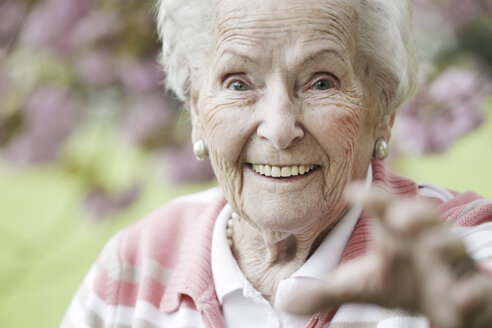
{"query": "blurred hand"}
[(414, 263)]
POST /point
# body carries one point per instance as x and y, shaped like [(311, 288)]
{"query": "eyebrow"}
[(235, 54), (320, 53), (311, 57)]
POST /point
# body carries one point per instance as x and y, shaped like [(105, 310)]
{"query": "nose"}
[(280, 121)]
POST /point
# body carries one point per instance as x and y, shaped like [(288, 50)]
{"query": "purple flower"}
[(147, 119), (141, 76), (5, 82), (95, 68), (183, 167), (101, 203), (49, 24), (454, 13), (11, 15), (95, 27), (49, 116), (443, 110)]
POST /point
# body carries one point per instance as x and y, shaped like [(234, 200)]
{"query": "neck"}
[(267, 257)]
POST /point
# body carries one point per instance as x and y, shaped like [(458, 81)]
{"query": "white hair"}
[(184, 27), (385, 43)]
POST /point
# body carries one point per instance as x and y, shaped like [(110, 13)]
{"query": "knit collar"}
[(192, 276)]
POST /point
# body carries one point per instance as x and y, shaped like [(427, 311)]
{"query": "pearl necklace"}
[(230, 224)]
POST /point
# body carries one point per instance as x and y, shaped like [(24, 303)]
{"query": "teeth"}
[(286, 172), (282, 171), (294, 170)]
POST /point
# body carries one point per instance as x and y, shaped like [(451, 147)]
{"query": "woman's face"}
[(283, 112)]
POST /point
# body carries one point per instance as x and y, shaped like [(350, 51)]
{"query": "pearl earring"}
[(199, 150), (381, 149)]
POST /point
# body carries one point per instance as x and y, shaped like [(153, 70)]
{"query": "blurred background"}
[(89, 141)]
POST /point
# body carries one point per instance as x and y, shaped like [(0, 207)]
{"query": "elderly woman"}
[(294, 101)]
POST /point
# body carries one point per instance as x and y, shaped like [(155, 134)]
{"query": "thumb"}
[(353, 282)]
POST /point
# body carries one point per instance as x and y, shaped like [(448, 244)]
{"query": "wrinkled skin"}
[(260, 102), (283, 87)]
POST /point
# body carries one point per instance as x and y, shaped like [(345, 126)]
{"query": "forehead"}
[(256, 23)]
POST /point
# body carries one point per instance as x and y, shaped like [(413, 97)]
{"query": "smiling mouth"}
[(282, 171)]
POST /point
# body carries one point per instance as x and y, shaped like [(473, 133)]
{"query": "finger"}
[(374, 200), (480, 315), (443, 245), (452, 301), (352, 282), (472, 300), (403, 216), (467, 296), (409, 217)]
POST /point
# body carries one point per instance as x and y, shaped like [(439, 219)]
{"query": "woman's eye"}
[(323, 84), (239, 86)]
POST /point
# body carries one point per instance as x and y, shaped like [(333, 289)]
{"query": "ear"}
[(385, 125), (197, 131)]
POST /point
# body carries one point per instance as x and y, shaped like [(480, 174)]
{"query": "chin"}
[(281, 216)]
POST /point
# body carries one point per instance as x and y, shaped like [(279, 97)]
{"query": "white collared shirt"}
[(242, 305)]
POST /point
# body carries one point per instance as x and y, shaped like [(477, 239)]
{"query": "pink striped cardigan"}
[(164, 259)]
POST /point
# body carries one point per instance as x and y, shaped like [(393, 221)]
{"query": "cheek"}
[(336, 129), (226, 128)]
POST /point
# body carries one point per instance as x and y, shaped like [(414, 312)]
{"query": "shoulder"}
[(144, 269), (143, 260), (470, 216), (460, 209), (175, 216), (454, 207), (166, 228)]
